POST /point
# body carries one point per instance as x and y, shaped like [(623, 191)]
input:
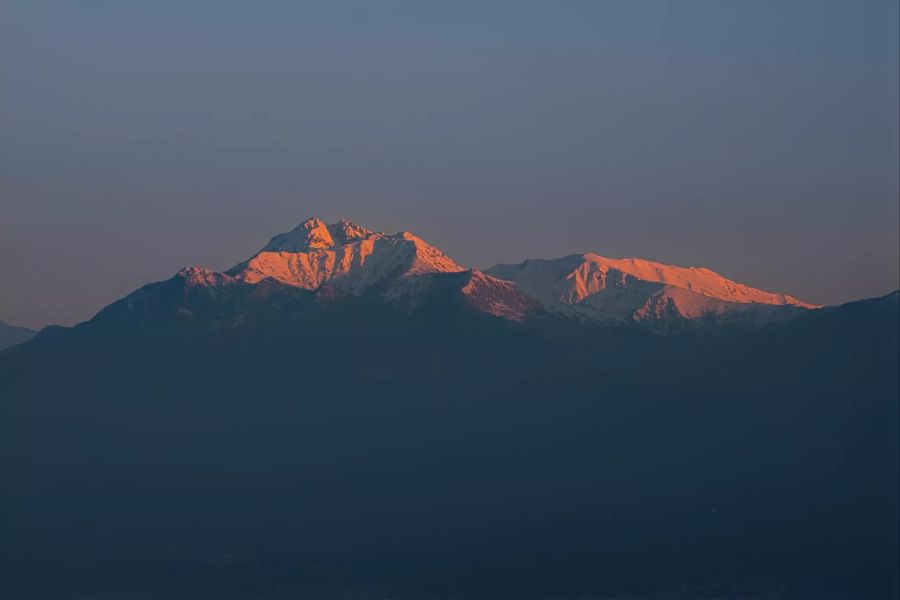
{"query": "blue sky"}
[(756, 138)]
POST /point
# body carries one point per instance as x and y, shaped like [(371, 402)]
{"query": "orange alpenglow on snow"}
[(344, 255), (347, 259), (586, 274), (593, 287)]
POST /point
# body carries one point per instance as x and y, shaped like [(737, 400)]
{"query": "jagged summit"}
[(344, 232), (344, 256), (315, 234)]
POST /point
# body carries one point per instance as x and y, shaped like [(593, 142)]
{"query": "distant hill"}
[(11, 335)]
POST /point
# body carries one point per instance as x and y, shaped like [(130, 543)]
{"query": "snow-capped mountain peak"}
[(315, 234), (597, 288), (345, 257)]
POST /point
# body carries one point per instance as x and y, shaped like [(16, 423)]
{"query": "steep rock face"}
[(606, 290), (314, 234)]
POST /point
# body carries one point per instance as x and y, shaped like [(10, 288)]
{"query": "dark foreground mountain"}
[(216, 437), (11, 335)]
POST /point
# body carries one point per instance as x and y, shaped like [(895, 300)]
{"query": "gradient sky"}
[(756, 138)]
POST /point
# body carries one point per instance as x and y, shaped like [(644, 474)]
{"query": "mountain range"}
[(353, 414), (327, 264)]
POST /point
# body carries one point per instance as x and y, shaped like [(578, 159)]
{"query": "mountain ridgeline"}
[(10, 335), (354, 414), (331, 264)]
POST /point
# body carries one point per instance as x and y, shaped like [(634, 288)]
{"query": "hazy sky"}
[(757, 138)]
